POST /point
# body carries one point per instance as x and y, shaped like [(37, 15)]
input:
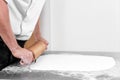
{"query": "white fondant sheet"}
[(73, 62)]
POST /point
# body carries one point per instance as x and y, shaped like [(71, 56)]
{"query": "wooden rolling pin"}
[(37, 48)]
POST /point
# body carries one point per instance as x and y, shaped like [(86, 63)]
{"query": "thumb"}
[(22, 62)]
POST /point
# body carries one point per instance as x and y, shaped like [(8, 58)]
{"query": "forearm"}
[(6, 32), (37, 33)]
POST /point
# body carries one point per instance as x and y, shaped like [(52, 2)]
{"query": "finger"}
[(31, 56), (46, 48), (46, 42), (25, 62), (22, 63), (28, 61)]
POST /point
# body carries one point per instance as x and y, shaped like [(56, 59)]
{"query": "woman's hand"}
[(25, 55)]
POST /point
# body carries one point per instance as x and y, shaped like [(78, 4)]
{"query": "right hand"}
[(25, 55)]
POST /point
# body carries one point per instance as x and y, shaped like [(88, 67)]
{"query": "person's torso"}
[(23, 16)]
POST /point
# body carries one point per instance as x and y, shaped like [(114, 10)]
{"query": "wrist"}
[(37, 37), (13, 49)]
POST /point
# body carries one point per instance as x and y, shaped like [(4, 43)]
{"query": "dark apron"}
[(6, 57)]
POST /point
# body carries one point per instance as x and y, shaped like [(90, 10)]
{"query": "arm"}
[(8, 37), (5, 28), (37, 34)]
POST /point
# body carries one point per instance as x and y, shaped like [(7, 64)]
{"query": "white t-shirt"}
[(24, 15)]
